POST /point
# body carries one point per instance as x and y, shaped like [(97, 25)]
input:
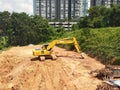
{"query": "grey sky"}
[(17, 6)]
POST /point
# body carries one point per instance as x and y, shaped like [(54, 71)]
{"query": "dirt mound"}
[(20, 70)]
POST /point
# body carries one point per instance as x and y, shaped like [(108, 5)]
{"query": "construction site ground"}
[(20, 70)]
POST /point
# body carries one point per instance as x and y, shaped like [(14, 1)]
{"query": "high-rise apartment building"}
[(104, 2), (109, 2), (61, 9)]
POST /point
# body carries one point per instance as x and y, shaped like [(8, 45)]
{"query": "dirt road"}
[(20, 70)]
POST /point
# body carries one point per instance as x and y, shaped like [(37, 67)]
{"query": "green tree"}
[(20, 28), (101, 16), (5, 23), (41, 29), (115, 15)]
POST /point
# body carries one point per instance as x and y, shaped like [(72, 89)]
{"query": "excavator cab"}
[(44, 46)]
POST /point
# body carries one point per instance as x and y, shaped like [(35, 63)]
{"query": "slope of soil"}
[(20, 70)]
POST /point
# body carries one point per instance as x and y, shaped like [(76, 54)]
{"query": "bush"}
[(3, 42)]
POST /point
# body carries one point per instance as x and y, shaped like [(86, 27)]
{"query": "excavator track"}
[(54, 57), (42, 58)]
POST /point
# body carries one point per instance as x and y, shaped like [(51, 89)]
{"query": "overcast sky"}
[(17, 6)]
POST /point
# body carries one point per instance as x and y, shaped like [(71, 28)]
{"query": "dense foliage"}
[(101, 43), (101, 16), (22, 29)]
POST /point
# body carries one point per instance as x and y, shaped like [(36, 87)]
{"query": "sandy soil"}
[(20, 70)]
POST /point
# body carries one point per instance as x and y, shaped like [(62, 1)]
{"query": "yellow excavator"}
[(46, 50)]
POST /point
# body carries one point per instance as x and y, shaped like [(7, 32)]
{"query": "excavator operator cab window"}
[(37, 49), (44, 46)]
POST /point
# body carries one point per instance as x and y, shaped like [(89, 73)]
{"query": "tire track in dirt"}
[(55, 77), (37, 79), (34, 72), (70, 68), (65, 80), (18, 68), (54, 74), (8, 79), (45, 74)]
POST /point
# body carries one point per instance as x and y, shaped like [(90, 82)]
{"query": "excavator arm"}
[(76, 45), (64, 41)]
